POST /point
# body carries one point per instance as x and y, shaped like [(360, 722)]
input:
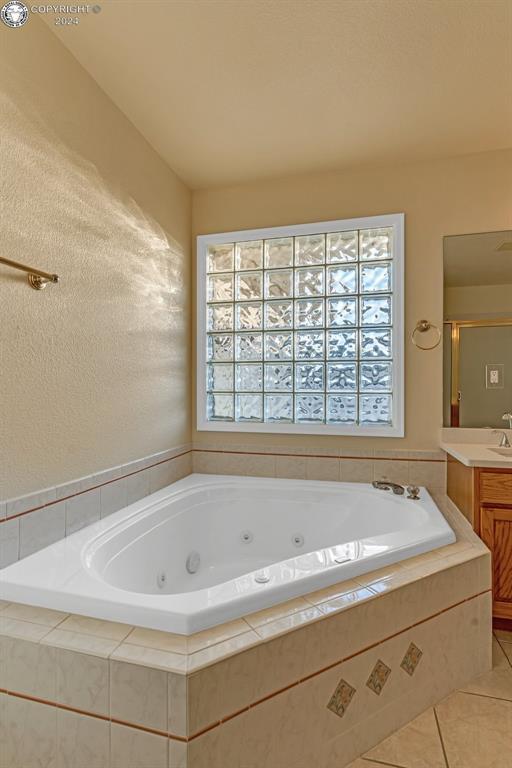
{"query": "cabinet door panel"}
[(496, 487), (496, 530)]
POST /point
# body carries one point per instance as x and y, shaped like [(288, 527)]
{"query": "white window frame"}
[(397, 428)]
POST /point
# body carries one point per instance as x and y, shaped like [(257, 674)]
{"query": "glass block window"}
[(300, 328)]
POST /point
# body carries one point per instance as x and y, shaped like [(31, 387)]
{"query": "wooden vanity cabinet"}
[(484, 496)]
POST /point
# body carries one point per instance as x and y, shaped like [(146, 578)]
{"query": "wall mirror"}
[(477, 387)]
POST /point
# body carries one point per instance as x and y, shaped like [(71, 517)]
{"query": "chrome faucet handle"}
[(504, 442), (507, 417), (413, 492), (387, 485)]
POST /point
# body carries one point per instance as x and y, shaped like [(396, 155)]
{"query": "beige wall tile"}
[(220, 748), (268, 615), (82, 681), (131, 748), (285, 624), (30, 734), (177, 704), (138, 695), (343, 602), (322, 468), (88, 626), (154, 638), (34, 614), (293, 467), (273, 733), (280, 662), (394, 471), (226, 648), (154, 658), (178, 753), (73, 641), (214, 635), (328, 593), (25, 630), (247, 464), (161, 475), (28, 668), (82, 742), (430, 474), (221, 689), (208, 463), (182, 466), (41, 528), (112, 497), (82, 510), (252, 465), (9, 542), (356, 470), (137, 486)]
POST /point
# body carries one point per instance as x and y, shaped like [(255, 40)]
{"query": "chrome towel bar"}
[(36, 277)]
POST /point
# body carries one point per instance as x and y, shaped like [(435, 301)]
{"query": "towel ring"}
[(422, 326)]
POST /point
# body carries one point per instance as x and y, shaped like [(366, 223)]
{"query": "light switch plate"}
[(495, 376)]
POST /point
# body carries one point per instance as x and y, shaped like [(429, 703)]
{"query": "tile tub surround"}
[(469, 729), (30, 523), (257, 691), (423, 468)]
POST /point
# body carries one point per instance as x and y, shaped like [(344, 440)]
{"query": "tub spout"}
[(384, 485)]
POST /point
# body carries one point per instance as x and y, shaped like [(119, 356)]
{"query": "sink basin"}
[(502, 451)]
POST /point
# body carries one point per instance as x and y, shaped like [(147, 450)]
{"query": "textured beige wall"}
[(454, 196), (94, 371)]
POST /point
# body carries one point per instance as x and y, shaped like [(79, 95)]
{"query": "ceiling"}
[(229, 91), (475, 260)]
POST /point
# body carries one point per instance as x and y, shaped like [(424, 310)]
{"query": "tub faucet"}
[(504, 442), (385, 485)]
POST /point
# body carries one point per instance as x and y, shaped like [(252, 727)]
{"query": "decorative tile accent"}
[(411, 659), (341, 698), (378, 677)]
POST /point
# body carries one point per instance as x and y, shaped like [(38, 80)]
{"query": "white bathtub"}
[(255, 542)]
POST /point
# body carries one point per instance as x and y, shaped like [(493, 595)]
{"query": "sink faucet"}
[(504, 442), (385, 485), (508, 417)]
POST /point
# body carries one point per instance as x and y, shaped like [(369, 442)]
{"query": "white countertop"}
[(477, 455)]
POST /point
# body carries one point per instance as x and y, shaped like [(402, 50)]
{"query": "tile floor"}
[(472, 728)]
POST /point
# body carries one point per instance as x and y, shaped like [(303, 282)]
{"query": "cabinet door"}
[(496, 531)]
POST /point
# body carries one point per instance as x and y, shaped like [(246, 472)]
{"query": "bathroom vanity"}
[(479, 482)]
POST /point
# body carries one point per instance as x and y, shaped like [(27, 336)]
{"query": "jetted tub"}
[(209, 548)]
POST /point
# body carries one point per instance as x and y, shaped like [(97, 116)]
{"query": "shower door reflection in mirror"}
[(478, 329)]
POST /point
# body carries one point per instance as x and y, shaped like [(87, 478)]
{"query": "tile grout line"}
[(381, 762), (484, 696), (441, 738), (500, 643), (105, 718), (313, 455)]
